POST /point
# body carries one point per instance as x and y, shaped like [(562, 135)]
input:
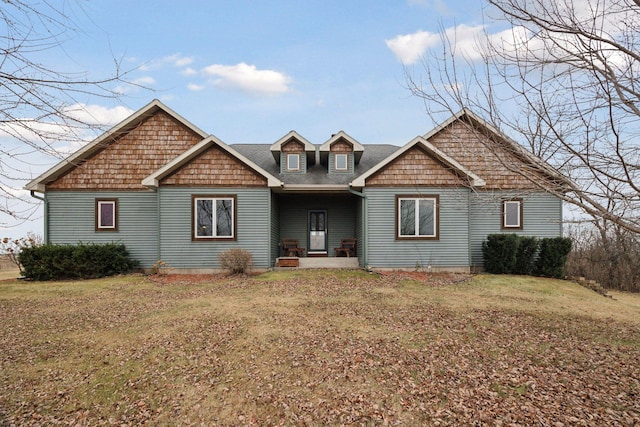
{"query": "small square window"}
[(512, 214), (341, 162), (106, 215), (293, 162)]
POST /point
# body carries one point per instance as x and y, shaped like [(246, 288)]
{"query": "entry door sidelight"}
[(318, 231)]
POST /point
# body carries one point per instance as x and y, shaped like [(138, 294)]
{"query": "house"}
[(171, 192)]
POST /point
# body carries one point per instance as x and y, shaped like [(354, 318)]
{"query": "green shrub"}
[(81, 261), (553, 257), (499, 253), (526, 255), (236, 260)]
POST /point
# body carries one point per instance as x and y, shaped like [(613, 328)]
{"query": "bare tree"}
[(563, 82), (40, 106)]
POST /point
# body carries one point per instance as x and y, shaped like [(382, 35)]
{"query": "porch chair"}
[(347, 247), (291, 247)]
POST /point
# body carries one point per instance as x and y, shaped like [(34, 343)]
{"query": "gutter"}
[(46, 214), (365, 215)]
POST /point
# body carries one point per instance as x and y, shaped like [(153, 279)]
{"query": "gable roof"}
[(532, 160), (153, 180), (325, 148), (475, 180), (309, 148), (39, 183)]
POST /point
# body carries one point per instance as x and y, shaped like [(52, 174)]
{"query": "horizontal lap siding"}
[(275, 229), (72, 220), (542, 217), (451, 250), (253, 222)]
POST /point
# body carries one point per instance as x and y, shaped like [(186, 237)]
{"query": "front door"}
[(317, 232)]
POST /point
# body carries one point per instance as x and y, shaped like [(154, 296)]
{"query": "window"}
[(417, 217), (341, 162), (106, 215), (512, 214), (293, 162), (214, 217)]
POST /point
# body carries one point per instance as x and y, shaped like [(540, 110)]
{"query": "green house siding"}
[(179, 251), (332, 163), (71, 219), (274, 217), (450, 250), (283, 163), (541, 217), (341, 217)]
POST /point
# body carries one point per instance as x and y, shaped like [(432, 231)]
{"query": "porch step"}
[(329, 262)]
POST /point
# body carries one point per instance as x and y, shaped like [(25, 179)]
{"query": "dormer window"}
[(293, 161), (341, 162)]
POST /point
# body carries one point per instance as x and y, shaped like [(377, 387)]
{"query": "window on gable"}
[(214, 217), (293, 162), (106, 215), (417, 217), (341, 162), (512, 214)]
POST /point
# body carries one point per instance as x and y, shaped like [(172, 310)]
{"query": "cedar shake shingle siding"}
[(487, 158), (292, 146), (125, 162), (415, 167), (215, 168), (341, 146)]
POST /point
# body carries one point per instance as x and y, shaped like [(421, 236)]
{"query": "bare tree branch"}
[(565, 86), (39, 103)]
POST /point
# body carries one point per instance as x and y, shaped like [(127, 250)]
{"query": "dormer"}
[(293, 153), (341, 153)]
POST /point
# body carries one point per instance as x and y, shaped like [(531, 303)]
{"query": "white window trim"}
[(292, 156), (114, 215), (346, 162), (505, 203), (214, 221), (416, 200)]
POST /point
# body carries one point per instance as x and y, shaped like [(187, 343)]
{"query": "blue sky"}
[(251, 71)]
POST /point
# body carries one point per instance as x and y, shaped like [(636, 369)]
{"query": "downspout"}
[(365, 215), (158, 240), (46, 214)]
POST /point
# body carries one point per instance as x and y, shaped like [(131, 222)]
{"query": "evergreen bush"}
[(526, 255), (81, 261), (499, 253), (553, 257)]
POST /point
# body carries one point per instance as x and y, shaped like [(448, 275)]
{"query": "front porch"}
[(317, 224), (318, 262)]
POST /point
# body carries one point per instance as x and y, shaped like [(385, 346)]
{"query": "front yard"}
[(318, 348)]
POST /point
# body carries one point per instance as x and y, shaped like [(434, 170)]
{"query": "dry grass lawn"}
[(318, 348)]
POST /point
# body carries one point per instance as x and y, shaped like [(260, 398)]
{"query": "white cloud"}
[(180, 61), (134, 85), (195, 87), (89, 120), (466, 41), (189, 72), (97, 114), (175, 60), (409, 47), (248, 78)]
